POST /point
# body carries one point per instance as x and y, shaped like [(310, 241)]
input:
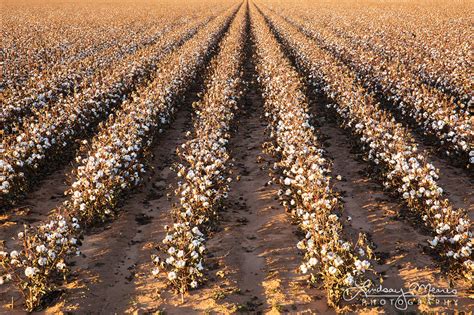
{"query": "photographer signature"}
[(401, 298)]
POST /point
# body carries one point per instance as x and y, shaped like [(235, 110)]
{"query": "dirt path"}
[(398, 244)]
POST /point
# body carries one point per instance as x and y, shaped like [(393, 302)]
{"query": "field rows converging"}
[(229, 156), (54, 130), (429, 110)]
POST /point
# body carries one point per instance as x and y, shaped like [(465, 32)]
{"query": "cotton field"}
[(226, 156)]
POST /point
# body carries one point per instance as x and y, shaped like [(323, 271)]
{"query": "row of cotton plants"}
[(112, 165), (430, 110), (452, 80), (69, 77), (304, 174), (391, 149), (204, 167), (44, 138), (433, 49)]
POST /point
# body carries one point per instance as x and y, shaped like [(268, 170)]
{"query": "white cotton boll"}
[(346, 246), (172, 275), (332, 270), (30, 271), (456, 238), (190, 174), (303, 268), (196, 231), (40, 248), (366, 264), (358, 265), (338, 261), (199, 266), (434, 241), (60, 265), (300, 245), (349, 280), (42, 261), (167, 239)]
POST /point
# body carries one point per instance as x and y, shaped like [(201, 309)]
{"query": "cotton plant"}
[(40, 265), (183, 260)]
